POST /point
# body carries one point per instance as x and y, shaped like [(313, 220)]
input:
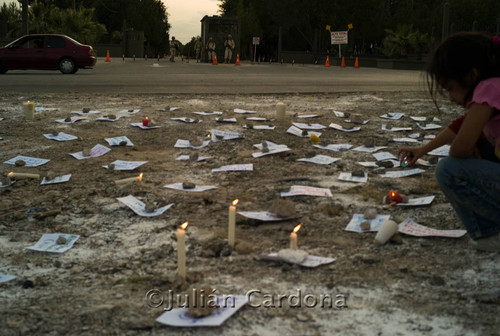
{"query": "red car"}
[(46, 52)]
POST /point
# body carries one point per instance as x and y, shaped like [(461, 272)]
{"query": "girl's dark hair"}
[(456, 56)]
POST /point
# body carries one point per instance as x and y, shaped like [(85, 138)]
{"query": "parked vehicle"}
[(46, 52)]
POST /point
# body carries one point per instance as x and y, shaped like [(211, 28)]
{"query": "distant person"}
[(210, 49), (229, 45), (174, 47), (467, 67), (198, 46)]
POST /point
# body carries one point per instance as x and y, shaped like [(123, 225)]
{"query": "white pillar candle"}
[(293, 237), (29, 110), (280, 111), (231, 232), (181, 250), (23, 175), (129, 180)]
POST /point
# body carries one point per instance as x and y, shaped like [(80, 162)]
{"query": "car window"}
[(30, 42), (55, 42)]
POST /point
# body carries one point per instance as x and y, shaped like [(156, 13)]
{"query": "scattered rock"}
[(68, 119), (86, 110), (194, 157), (293, 256), (55, 133), (365, 225), (358, 173), (305, 132), (370, 213), (436, 280), (369, 142), (385, 164), (188, 185), (61, 240), (283, 208), (123, 143), (433, 160), (202, 301), (243, 247), (86, 151), (397, 239), (111, 116), (249, 126), (20, 163), (28, 284)]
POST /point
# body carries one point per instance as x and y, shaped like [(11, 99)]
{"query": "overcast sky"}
[(184, 16)]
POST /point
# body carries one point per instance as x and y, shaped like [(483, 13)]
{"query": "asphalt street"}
[(153, 77)]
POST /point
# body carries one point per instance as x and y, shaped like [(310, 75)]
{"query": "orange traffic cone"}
[(237, 59), (108, 59), (356, 63), (327, 63), (215, 59), (343, 62)]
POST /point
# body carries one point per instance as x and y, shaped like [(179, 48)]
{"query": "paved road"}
[(151, 77)]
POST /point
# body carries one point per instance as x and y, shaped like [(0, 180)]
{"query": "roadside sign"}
[(339, 37), (256, 40)]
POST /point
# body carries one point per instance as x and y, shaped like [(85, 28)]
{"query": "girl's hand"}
[(412, 154)]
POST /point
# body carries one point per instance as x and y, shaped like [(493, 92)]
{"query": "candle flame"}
[(236, 201), (10, 174), (297, 228), (184, 225), (393, 194), (147, 118), (209, 135), (140, 177)]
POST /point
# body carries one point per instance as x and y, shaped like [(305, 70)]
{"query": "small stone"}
[(28, 284), (370, 213), (20, 163), (249, 126), (55, 133), (57, 264), (68, 119), (293, 256), (50, 175), (194, 157), (201, 301), (385, 164), (188, 185), (283, 208), (150, 208), (369, 142), (61, 240), (123, 143), (243, 247), (111, 116), (86, 151), (365, 225), (305, 133), (433, 160), (86, 110), (111, 166), (397, 239), (347, 127), (436, 280), (358, 173), (357, 119), (265, 147)]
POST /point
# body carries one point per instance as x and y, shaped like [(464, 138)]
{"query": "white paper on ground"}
[(340, 128), (429, 126), (256, 119), (206, 113), (187, 144), (349, 178), (405, 140), (131, 111), (310, 261), (306, 116), (261, 127), (116, 141), (48, 243), (392, 116), (96, 151), (308, 126), (414, 135), (357, 219), (402, 173), (334, 147), (57, 179), (30, 161), (126, 165), (73, 120), (412, 228), (384, 156), (368, 164), (395, 129), (186, 120), (424, 119), (264, 216), (217, 135), (140, 208), (85, 113), (441, 151), (235, 167), (340, 114), (178, 186), (106, 118), (229, 304), (61, 136), (320, 159), (364, 122), (425, 163), (299, 190), (240, 111), (274, 150), (141, 126), (414, 202), (368, 149), (6, 277), (187, 158), (298, 132), (226, 120)]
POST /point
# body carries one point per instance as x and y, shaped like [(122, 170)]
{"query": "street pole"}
[(24, 14)]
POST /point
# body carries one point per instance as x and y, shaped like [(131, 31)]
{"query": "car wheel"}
[(67, 66), (2, 68)]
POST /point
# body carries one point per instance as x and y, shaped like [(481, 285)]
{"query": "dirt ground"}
[(420, 286)]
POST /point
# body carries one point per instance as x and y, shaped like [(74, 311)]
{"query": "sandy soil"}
[(420, 286)]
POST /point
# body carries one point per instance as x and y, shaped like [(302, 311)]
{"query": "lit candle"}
[(280, 111), (232, 223), (130, 179), (181, 250), (293, 237), (394, 196), (145, 122), (29, 111), (23, 175)]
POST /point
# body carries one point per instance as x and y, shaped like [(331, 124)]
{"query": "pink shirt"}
[(488, 92)]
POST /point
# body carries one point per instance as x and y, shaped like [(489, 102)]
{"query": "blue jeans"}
[(472, 186)]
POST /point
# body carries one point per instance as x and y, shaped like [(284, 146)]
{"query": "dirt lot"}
[(420, 286)]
